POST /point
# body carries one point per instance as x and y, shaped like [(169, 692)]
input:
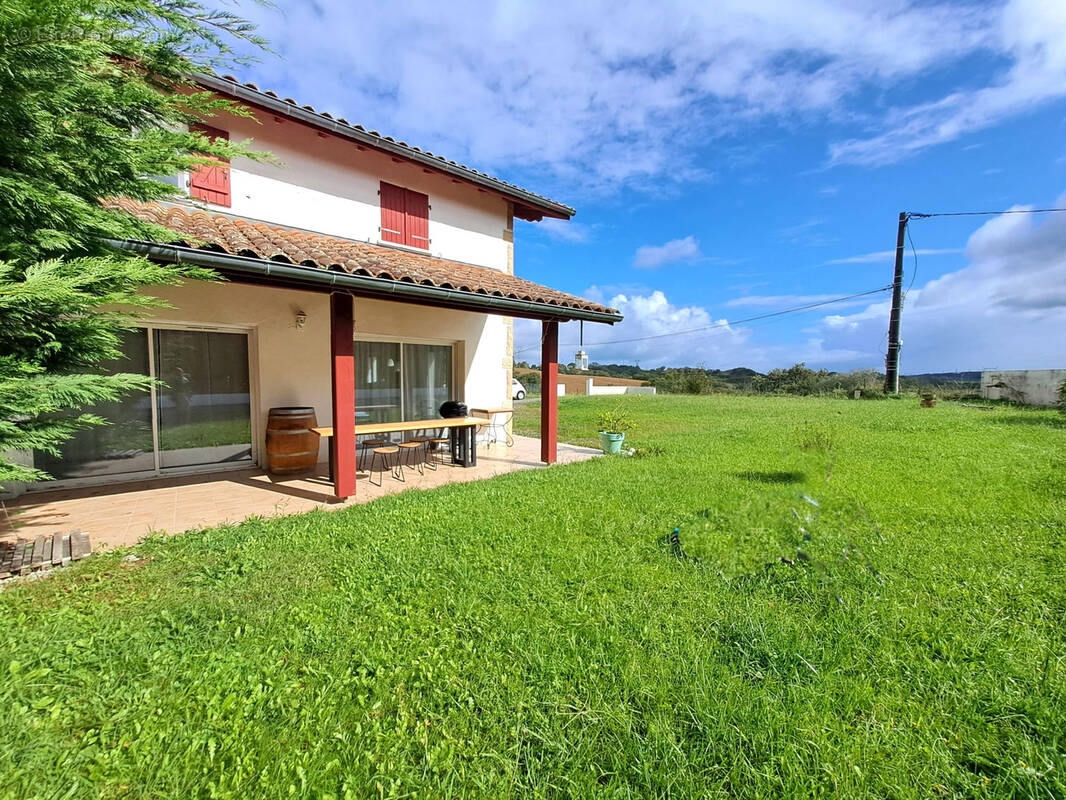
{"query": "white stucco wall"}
[(1035, 387), (591, 389), (328, 185), (291, 366)]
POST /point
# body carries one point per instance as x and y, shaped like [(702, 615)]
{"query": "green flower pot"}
[(612, 442)]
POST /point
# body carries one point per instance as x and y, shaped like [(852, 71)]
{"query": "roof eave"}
[(317, 279), (528, 206)]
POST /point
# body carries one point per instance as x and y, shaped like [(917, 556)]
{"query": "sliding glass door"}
[(397, 381), (204, 405), (125, 445), (377, 382), (427, 379), (199, 414)]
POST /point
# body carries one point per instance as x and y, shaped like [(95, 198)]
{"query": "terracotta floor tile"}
[(125, 513)]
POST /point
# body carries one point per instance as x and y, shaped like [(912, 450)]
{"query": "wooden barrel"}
[(291, 445)]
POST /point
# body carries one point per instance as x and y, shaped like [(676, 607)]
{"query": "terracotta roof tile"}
[(243, 237)]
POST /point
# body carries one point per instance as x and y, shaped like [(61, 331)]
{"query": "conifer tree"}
[(95, 98)]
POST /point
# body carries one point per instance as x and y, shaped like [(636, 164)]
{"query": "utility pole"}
[(892, 357)]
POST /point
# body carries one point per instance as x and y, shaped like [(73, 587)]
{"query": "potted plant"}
[(613, 427)]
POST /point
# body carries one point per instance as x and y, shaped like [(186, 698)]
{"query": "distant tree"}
[(93, 97), (688, 380), (798, 379)]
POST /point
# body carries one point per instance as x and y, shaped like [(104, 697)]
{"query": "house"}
[(364, 277)]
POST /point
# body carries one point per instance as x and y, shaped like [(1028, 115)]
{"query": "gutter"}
[(314, 118), (361, 285)]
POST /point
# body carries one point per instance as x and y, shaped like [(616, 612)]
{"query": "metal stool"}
[(408, 453), (440, 444), (369, 444), (380, 456), (425, 441)]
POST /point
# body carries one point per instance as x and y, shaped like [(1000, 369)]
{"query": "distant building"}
[(1033, 387)]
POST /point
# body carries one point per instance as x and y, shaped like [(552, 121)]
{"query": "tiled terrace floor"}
[(122, 514)]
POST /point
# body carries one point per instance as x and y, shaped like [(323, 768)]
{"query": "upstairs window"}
[(404, 216), (210, 182)]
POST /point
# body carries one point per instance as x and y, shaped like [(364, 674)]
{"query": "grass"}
[(209, 433), (540, 635)]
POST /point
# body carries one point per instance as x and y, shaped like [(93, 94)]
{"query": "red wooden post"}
[(549, 391), (342, 350)]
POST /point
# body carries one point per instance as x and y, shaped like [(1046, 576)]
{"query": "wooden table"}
[(462, 430), (491, 413)]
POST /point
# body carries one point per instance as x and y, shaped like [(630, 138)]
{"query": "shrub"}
[(817, 438), (531, 380), (689, 380)]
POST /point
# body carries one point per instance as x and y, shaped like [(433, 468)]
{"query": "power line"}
[(914, 252), (727, 324), (916, 215)]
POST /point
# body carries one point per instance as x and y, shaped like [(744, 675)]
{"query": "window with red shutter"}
[(417, 207), (210, 182), (393, 214), (404, 216)]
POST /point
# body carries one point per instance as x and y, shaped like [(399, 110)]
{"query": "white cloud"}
[(650, 315), (667, 334), (654, 256), (886, 256), (1006, 309), (806, 234), (562, 230), (1031, 35), (603, 93)]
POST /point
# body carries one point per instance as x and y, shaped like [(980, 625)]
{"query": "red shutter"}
[(210, 182), (393, 214), (417, 207), (404, 216)]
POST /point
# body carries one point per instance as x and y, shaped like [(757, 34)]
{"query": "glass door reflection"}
[(427, 379), (377, 382), (124, 445), (204, 403)]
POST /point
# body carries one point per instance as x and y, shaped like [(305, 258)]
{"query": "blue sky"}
[(735, 158)]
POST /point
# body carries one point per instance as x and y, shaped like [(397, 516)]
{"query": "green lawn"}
[(536, 635)]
